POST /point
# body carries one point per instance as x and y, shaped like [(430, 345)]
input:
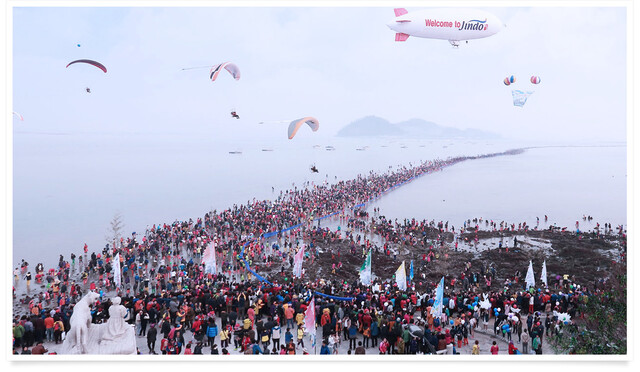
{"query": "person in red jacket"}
[(494, 348), (384, 346)]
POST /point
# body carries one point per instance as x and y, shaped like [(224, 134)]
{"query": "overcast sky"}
[(337, 64)]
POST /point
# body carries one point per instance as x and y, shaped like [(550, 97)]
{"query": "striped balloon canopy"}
[(535, 80), (509, 80)]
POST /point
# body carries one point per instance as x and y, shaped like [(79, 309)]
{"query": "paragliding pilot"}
[(88, 90), (235, 115), (314, 169)]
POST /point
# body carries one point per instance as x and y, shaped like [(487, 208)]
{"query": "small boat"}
[(267, 149), (316, 146), (403, 147), (360, 149), (235, 152), (330, 148)]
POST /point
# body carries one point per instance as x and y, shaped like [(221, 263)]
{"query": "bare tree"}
[(116, 226)]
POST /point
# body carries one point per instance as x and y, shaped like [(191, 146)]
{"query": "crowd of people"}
[(174, 301)]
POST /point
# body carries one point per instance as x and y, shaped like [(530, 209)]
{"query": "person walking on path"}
[(300, 336), (525, 342), (18, 332), (48, 323), (212, 332), (58, 328), (152, 335), (275, 336), (353, 331), (537, 345)]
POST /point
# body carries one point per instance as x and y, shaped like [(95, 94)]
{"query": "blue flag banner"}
[(436, 310), (411, 272)]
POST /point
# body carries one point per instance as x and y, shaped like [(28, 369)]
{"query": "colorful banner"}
[(401, 277), (436, 309), (310, 317), (297, 263), (209, 259), (365, 270)]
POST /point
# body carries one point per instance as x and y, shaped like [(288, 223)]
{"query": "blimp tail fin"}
[(400, 11), (401, 36)]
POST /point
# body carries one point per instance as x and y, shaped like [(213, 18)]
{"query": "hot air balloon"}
[(535, 80), (509, 80)]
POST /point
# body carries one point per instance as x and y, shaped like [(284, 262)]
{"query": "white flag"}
[(530, 280), (365, 270), (209, 259), (117, 279), (401, 277), (543, 276), (297, 263)]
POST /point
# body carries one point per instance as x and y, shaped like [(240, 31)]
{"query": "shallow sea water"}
[(68, 187)]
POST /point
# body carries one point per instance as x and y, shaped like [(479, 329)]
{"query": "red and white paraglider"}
[(89, 62), (232, 68)]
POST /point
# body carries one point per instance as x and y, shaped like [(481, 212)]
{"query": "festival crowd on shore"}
[(169, 293)]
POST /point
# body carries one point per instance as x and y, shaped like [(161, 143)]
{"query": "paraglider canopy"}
[(232, 68), (313, 123), (93, 63)]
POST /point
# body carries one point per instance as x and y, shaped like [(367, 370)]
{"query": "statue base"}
[(123, 344)]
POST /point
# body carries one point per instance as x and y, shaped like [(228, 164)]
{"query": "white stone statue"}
[(116, 326), (118, 337), (77, 339), (113, 337)]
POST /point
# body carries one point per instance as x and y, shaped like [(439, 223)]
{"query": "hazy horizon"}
[(150, 129), (337, 64)]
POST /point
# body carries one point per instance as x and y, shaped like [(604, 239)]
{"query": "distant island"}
[(373, 126)]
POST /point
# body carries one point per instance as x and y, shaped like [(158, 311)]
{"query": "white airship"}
[(452, 24)]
